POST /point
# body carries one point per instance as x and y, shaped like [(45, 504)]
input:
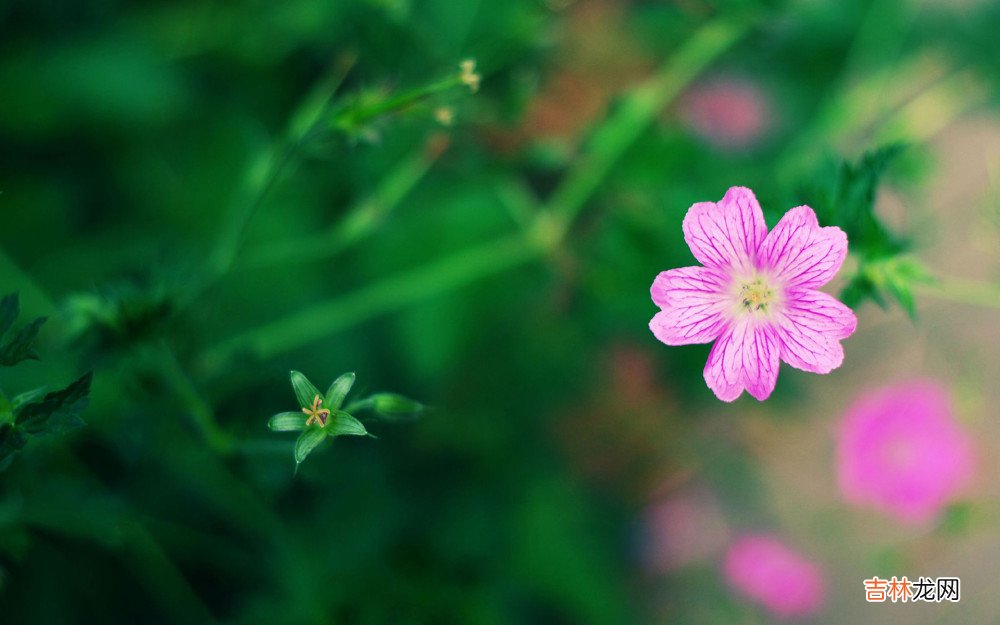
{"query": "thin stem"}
[(267, 167), (637, 111), (610, 141), (202, 415), (354, 116), (364, 218), (320, 319)]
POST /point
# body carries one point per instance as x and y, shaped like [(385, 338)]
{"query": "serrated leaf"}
[(10, 308), (394, 407), (338, 391), (20, 346), (26, 398), (305, 392), (880, 279), (344, 424), (307, 442), (287, 422), (844, 195), (58, 411)]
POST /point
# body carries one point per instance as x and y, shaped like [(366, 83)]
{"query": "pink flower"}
[(729, 113), (900, 450), (764, 570), (756, 295)]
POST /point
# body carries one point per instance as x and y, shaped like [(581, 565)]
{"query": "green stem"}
[(361, 220), (610, 141), (318, 320), (267, 167), (202, 415), (353, 117), (637, 111)]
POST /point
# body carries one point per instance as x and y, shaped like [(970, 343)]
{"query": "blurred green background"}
[(204, 195)]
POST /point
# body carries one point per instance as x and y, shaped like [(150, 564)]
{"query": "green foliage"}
[(18, 346), (119, 317), (35, 412), (844, 195), (57, 412)]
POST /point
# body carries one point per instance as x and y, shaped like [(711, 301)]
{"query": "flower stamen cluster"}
[(317, 414)]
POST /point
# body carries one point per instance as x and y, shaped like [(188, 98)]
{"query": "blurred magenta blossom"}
[(899, 449), (762, 569), (728, 113), (756, 294)]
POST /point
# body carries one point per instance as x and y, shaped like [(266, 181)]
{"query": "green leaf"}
[(287, 422), (57, 412), (10, 308), (844, 195), (343, 424), (338, 391), (20, 346), (27, 397), (305, 392), (307, 442), (892, 277), (394, 407)]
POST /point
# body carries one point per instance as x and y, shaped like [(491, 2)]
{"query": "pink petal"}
[(727, 233), (692, 301), (801, 252), (745, 356), (810, 329)]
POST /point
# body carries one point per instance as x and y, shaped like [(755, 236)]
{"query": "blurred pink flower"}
[(900, 450), (682, 529), (756, 294), (728, 113), (764, 570)]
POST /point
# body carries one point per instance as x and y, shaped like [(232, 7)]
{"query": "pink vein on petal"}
[(801, 252)]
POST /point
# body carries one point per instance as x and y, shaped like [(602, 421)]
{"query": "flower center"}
[(756, 295), (317, 414)]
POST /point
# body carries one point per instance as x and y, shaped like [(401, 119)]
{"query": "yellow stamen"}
[(317, 414)]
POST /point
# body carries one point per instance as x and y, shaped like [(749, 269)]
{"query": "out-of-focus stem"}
[(636, 112), (320, 319), (361, 220), (352, 117), (933, 110), (609, 142), (267, 167), (202, 415)]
